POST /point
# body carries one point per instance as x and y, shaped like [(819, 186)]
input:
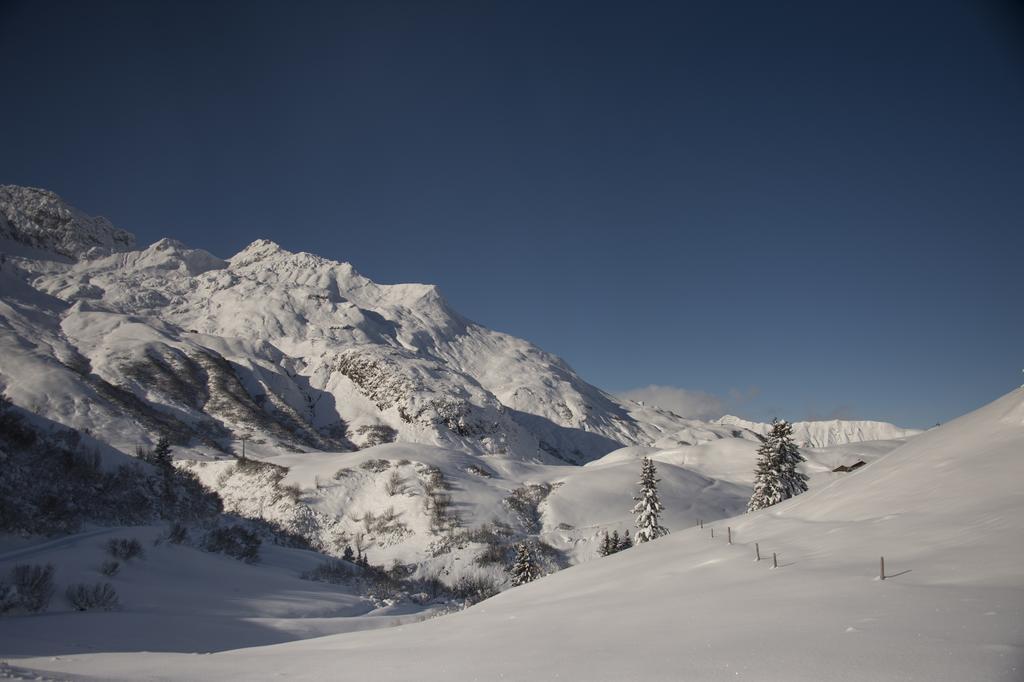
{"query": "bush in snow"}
[(375, 465), (100, 597), (493, 553), (9, 598), (235, 541), (376, 434), (341, 473), (331, 571), (524, 502), (33, 584), (395, 484), (124, 548), (434, 479), (648, 507), (475, 588), (776, 478), (440, 507), (110, 568), (177, 534)]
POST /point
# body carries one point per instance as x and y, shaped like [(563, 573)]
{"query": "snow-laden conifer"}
[(648, 507), (776, 477), (524, 568)]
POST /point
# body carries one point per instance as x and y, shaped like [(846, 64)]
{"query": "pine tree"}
[(625, 543), (648, 507), (613, 542), (348, 554), (605, 548), (162, 452), (776, 477), (524, 568)]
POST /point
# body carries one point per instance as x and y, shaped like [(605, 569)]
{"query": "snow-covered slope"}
[(944, 509), (823, 434)]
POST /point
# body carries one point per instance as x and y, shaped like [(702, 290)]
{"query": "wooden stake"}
[(881, 569), (702, 524), (757, 552), (728, 530), (712, 533), (775, 560)]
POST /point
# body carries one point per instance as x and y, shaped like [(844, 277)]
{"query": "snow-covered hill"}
[(826, 433), (944, 509)]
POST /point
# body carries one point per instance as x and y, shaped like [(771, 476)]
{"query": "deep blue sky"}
[(819, 204)]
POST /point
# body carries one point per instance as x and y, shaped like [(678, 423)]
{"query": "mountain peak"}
[(40, 219)]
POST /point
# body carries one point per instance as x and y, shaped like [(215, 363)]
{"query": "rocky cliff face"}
[(39, 219)]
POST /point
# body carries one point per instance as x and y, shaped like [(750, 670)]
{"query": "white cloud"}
[(682, 401)]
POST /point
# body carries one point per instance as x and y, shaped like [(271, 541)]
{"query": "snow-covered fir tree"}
[(648, 507), (776, 477), (524, 568), (605, 548), (625, 543)]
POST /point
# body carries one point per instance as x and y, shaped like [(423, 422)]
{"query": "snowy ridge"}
[(826, 433)]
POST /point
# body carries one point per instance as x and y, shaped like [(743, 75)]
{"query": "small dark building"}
[(853, 467)]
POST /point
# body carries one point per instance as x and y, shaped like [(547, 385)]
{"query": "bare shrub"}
[(33, 584), (9, 598), (395, 484), (292, 491), (177, 534), (110, 567), (98, 597), (475, 588), (376, 434), (234, 541), (492, 554), (124, 548), (375, 465), (331, 571)]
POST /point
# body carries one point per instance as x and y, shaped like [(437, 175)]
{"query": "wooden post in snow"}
[(701, 522), (775, 560), (757, 552), (712, 533), (881, 568), (728, 530)]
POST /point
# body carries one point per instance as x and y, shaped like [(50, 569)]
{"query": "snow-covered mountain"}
[(826, 433), (285, 348)]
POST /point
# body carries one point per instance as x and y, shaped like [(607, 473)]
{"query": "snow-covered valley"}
[(376, 420)]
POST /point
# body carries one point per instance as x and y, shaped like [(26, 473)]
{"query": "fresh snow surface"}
[(944, 509)]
